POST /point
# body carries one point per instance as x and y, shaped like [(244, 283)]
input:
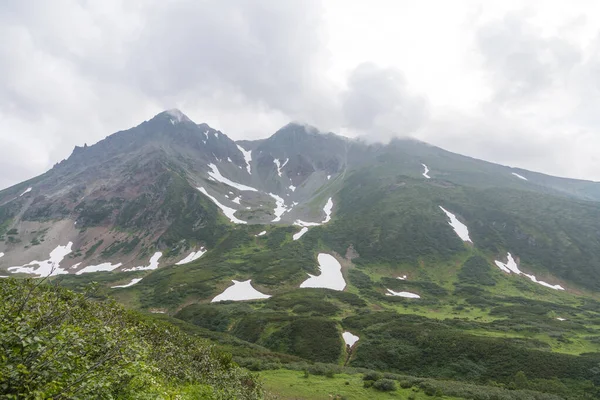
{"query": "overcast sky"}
[(514, 82)]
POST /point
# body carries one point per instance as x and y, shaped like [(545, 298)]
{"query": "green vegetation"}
[(59, 344)]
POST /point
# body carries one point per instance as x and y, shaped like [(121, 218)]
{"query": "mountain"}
[(442, 265)]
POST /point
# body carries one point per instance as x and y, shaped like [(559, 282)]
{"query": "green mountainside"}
[(511, 313)]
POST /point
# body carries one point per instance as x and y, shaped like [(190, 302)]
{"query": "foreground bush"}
[(55, 343)]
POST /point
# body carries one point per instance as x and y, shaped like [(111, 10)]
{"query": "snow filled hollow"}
[(26, 191), (49, 267), (133, 282), (519, 176), (153, 264), (216, 175), (426, 171), (461, 229), (193, 256), (327, 209), (408, 295), (247, 157), (511, 267), (331, 274), (349, 338), (104, 267), (240, 291), (229, 212)]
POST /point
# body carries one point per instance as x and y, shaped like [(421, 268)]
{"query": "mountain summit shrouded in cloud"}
[(513, 84)]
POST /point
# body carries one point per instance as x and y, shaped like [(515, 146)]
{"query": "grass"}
[(284, 384)]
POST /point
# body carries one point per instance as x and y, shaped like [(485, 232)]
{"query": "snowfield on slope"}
[(331, 274), (104, 267), (426, 171), (511, 267), (229, 212), (461, 229), (519, 176), (153, 264), (133, 282), (280, 207), (299, 234), (247, 157), (193, 256), (408, 295), (240, 291), (349, 338), (49, 267), (216, 175)]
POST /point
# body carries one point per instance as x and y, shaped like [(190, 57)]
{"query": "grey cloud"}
[(379, 103), (520, 62)]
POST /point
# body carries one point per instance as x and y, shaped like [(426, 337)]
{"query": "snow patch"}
[(237, 200), (327, 209), (1, 254), (75, 266), (408, 295), (216, 174), (262, 233), (26, 191), (402, 278), (133, 282), (153, 263), (328, 177), (519, 176), (104, 267), (461, 229), (247, 157), (49, 267), (426, 171), (349, 338), (331, 274), (229, 212), (292, 188), (229, 159), (280, 207), (240, 291), (298, 235), (561, 319), (279, 165), (511, 267), (193, 256)]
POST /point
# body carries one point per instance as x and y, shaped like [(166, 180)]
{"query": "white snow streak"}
[(280, 207), (240, 291), (133, 282), (262, 233), (349, 338), (519, 176), (1, 254), (229, 212), (327, 209), (426, 171), (26, 191), (247, 157), (331, 274), (402, 278), (561, 319), (49, 267), (280, 165), (408, 295), (153, 264), (511, 267), (105, 267), (193, 256), (216, 174), (298, 235), (461, 229)]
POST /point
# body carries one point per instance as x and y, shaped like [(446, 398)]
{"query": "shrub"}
[(385, 385), (372, 376)]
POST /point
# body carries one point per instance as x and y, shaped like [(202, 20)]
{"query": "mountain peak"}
[(175, 115)]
